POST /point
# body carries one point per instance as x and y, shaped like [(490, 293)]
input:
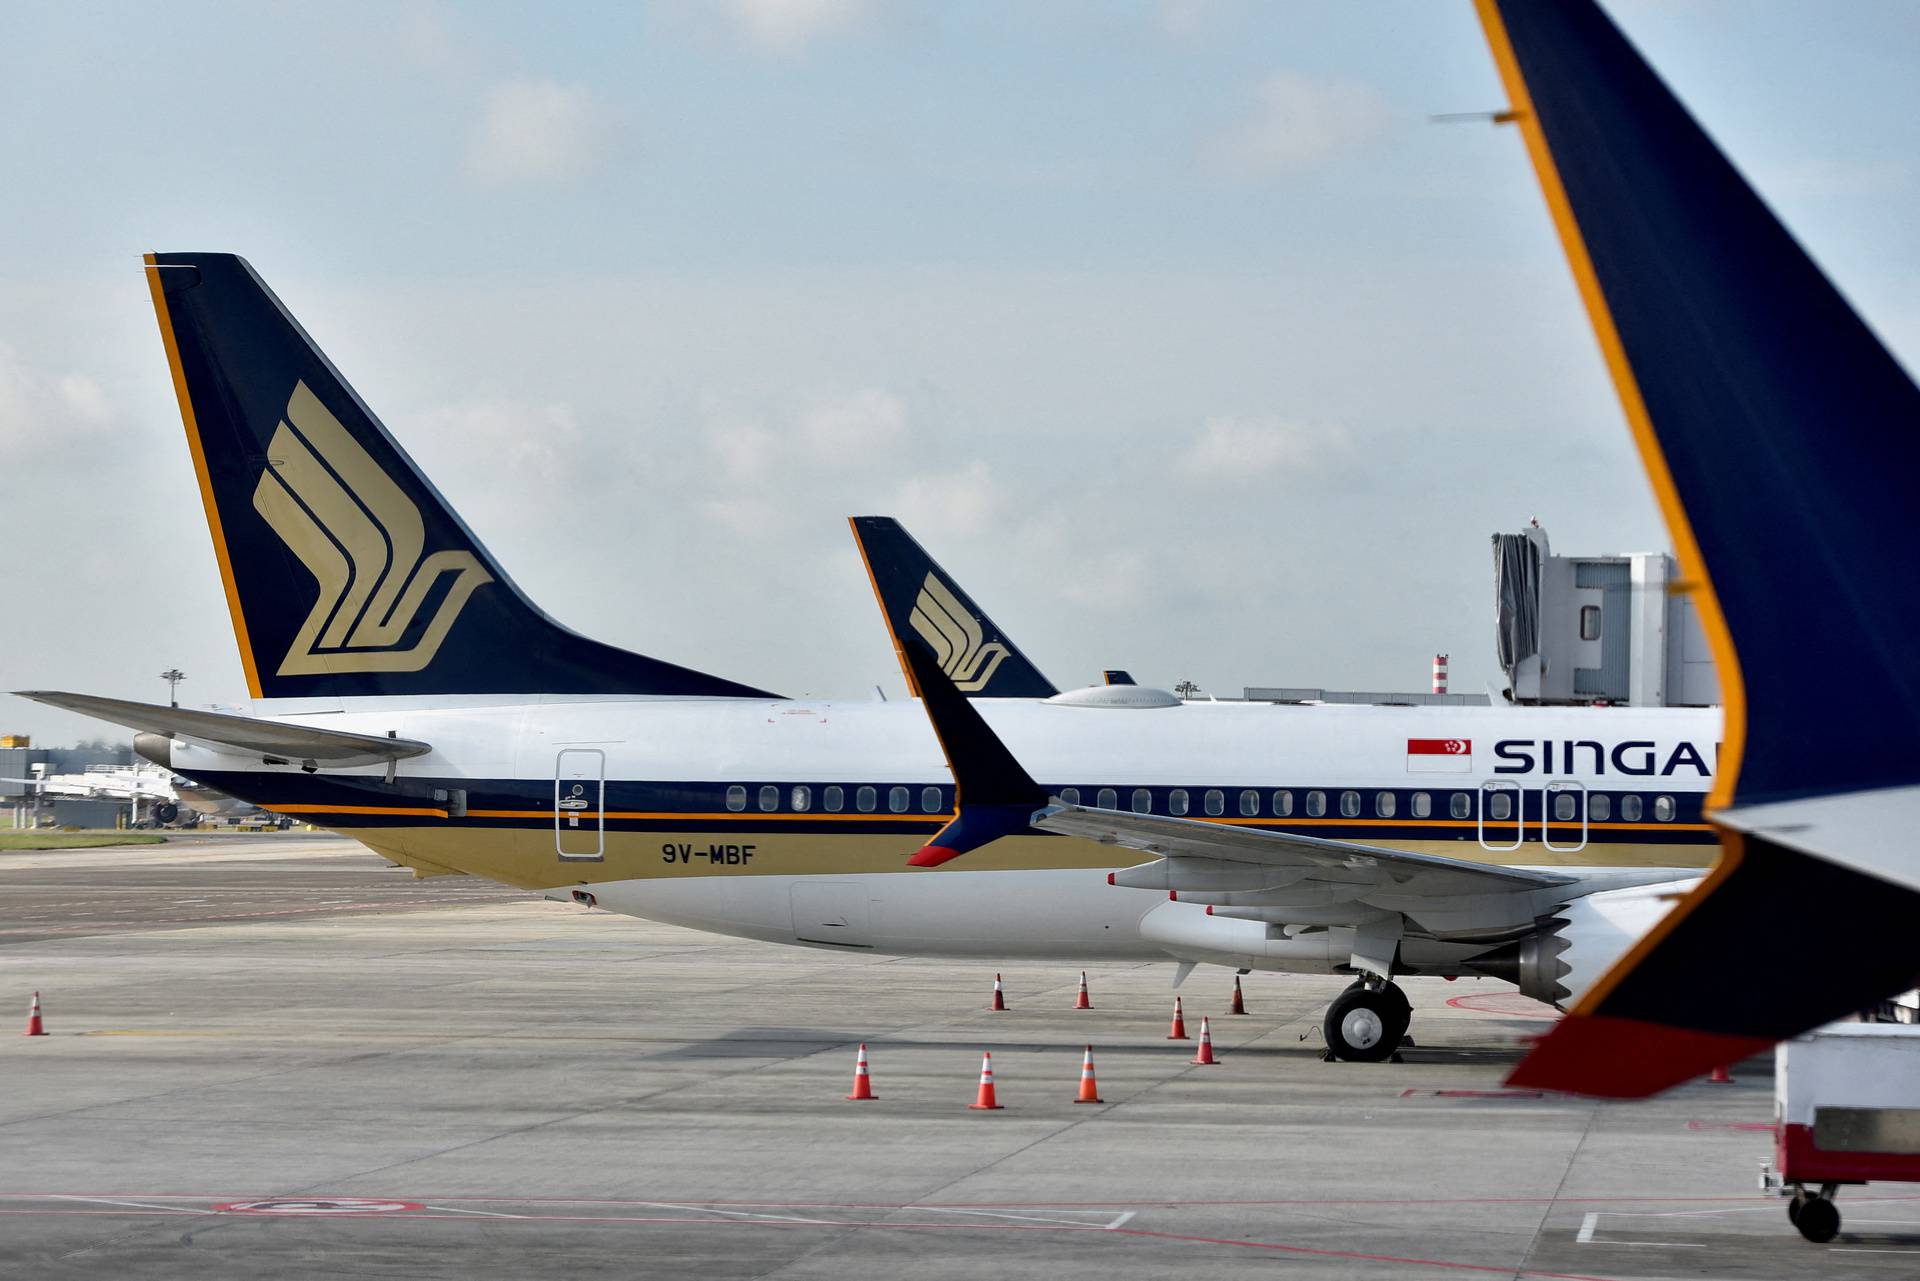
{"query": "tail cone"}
[(1178, 1032), (999, 998), (35, 1027), (1081, 1002), (985, 1102), (1089, 1088), (862, 1080), (1239, 1006), (1204, 1057)]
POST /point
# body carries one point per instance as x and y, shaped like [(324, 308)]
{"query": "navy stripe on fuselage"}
[(1363, 814)]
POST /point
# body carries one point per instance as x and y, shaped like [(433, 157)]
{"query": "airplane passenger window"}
[(1599, 808), (1177, 802), (1142, 801), (1460, 805), (1663, 808), (1283, 804), (1215, 802), (866, 798), (1316, 804), (1563, 807), (1383, 804), (1350, 804), (1071, 795), (1500, 805), (1249, 803), (831, 799), (769, 797), (1421, 806), (802, 798), (736, 798), (1108, 799), (930, 800), (1630, 808), (897, 799)]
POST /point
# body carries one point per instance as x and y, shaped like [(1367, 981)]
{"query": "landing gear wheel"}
[(1818, 1220), (1366, 1024), (1793, 1207)]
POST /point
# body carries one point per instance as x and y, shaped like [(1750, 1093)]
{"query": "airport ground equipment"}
[(1846, 1111)]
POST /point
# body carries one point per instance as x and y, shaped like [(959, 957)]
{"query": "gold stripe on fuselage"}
[(526, 857)]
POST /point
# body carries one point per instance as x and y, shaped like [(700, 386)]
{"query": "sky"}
[(1178, 331)]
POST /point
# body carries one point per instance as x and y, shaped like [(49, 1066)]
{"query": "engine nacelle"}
[(1573, 948)]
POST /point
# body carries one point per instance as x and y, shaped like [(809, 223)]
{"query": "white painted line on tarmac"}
[(736, 1214), (1591, 1223), (132, 1205), (485, 1214), (1029, 1218), (1587, 1225)]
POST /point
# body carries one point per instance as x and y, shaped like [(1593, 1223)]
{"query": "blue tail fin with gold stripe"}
[(1782, 441), (345, 570)]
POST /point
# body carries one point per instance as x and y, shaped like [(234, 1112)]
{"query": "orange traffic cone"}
[(1204, 1056), (1720, 1076), (1089, 1088), (1081, 1002), (34, 1026), (862, 1080), (1239, 1006), (999, 998), (1179, 1030), (985, 1102)]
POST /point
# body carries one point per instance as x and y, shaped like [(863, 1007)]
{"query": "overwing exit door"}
[(579, 803)]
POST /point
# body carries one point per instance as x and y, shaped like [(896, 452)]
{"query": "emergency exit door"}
[(579, 803)]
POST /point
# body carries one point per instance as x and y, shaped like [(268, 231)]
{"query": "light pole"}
[(173, 676)]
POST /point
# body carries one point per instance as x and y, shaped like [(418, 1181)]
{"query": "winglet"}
[(994, 796), (919, 598)]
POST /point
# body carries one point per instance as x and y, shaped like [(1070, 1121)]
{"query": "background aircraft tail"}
[(1781, 441), (918, 598), (345, 570)]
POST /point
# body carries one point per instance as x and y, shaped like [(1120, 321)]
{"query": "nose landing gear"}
[(1367, 1022)]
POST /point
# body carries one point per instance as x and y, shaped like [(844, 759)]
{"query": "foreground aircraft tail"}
[(1780, 438), (917, 597), (345, 570)]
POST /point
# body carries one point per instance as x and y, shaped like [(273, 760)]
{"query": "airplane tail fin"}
[(1780, 438), (917, 597), (345, 570)]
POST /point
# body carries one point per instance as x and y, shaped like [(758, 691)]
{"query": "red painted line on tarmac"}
[(1510, 1004), (1757, 1126), (948, 1205)]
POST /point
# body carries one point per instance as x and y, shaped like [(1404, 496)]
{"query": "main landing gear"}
[(1367, 1022)]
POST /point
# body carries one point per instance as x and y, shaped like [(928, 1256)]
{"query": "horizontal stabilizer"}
[(1780, 963), (225, 732)]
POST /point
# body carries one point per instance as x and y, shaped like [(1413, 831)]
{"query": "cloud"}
[(742, 448), (39, 412), (787, 27), (1295, 123), (535, 131), (953, 502), (854, 424), (1231, 450)]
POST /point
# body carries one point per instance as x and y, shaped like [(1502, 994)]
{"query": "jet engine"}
[(1580, 942)]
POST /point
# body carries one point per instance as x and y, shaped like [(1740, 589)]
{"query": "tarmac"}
[(278, 1056)]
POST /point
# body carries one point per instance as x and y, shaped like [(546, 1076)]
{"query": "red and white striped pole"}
[(1439, 673)]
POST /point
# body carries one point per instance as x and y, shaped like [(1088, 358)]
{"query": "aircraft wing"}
[(248, 735), (1340, 861), (1779, 437)]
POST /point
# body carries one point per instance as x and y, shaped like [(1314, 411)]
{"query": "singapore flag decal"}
[(1439, 756)]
